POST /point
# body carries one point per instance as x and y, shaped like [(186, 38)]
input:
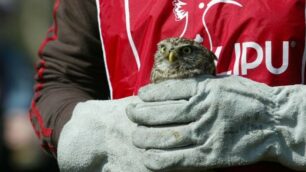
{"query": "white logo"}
[(242, 65), (264, 55), (180, 14)]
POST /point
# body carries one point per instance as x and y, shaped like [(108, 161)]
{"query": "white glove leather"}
[(209, 122), (98, 138)]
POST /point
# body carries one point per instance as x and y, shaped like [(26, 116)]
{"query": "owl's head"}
[(181, 58)]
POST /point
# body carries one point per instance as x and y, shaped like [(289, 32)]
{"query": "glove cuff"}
[(290, 125)]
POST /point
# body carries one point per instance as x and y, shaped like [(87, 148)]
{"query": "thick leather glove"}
[(98, 138), (209, 122)]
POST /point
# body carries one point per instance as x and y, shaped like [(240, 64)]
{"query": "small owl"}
[(178, 58)]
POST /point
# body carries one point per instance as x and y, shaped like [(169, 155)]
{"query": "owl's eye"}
[(186, 50), (163, 49)]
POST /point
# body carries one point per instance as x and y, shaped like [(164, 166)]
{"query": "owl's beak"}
[(171, 57)]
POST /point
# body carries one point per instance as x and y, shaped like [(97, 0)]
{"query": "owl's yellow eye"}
[(186, 50), (163, 49)]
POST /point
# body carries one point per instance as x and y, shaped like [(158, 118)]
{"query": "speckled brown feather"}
[(197, 61)]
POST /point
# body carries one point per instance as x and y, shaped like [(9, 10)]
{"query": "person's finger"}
[(176, 159), (169, 90), (174, 89), (159, 113), (162, 137)]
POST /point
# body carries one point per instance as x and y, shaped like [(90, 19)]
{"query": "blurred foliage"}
[(25, 23), (23, 27)]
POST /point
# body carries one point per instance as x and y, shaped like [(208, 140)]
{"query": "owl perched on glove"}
[(178, 58)]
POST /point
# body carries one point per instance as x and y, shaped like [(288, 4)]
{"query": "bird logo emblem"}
[(181, 14)]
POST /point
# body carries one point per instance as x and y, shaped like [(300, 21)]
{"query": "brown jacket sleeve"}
[(70, 69)]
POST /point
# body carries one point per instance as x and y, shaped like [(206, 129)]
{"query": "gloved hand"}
[(209, 122), (98, 138)]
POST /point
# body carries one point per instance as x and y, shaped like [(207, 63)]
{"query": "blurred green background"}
[(23, 27), (25, 22)]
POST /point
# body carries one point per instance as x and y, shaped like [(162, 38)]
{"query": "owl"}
[(178, 58)]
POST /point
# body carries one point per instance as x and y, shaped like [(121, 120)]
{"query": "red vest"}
[(263, 40)]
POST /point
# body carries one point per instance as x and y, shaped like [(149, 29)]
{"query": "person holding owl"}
[(95, 109)]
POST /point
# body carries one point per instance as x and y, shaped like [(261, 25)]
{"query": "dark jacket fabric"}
[(70, 69)]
